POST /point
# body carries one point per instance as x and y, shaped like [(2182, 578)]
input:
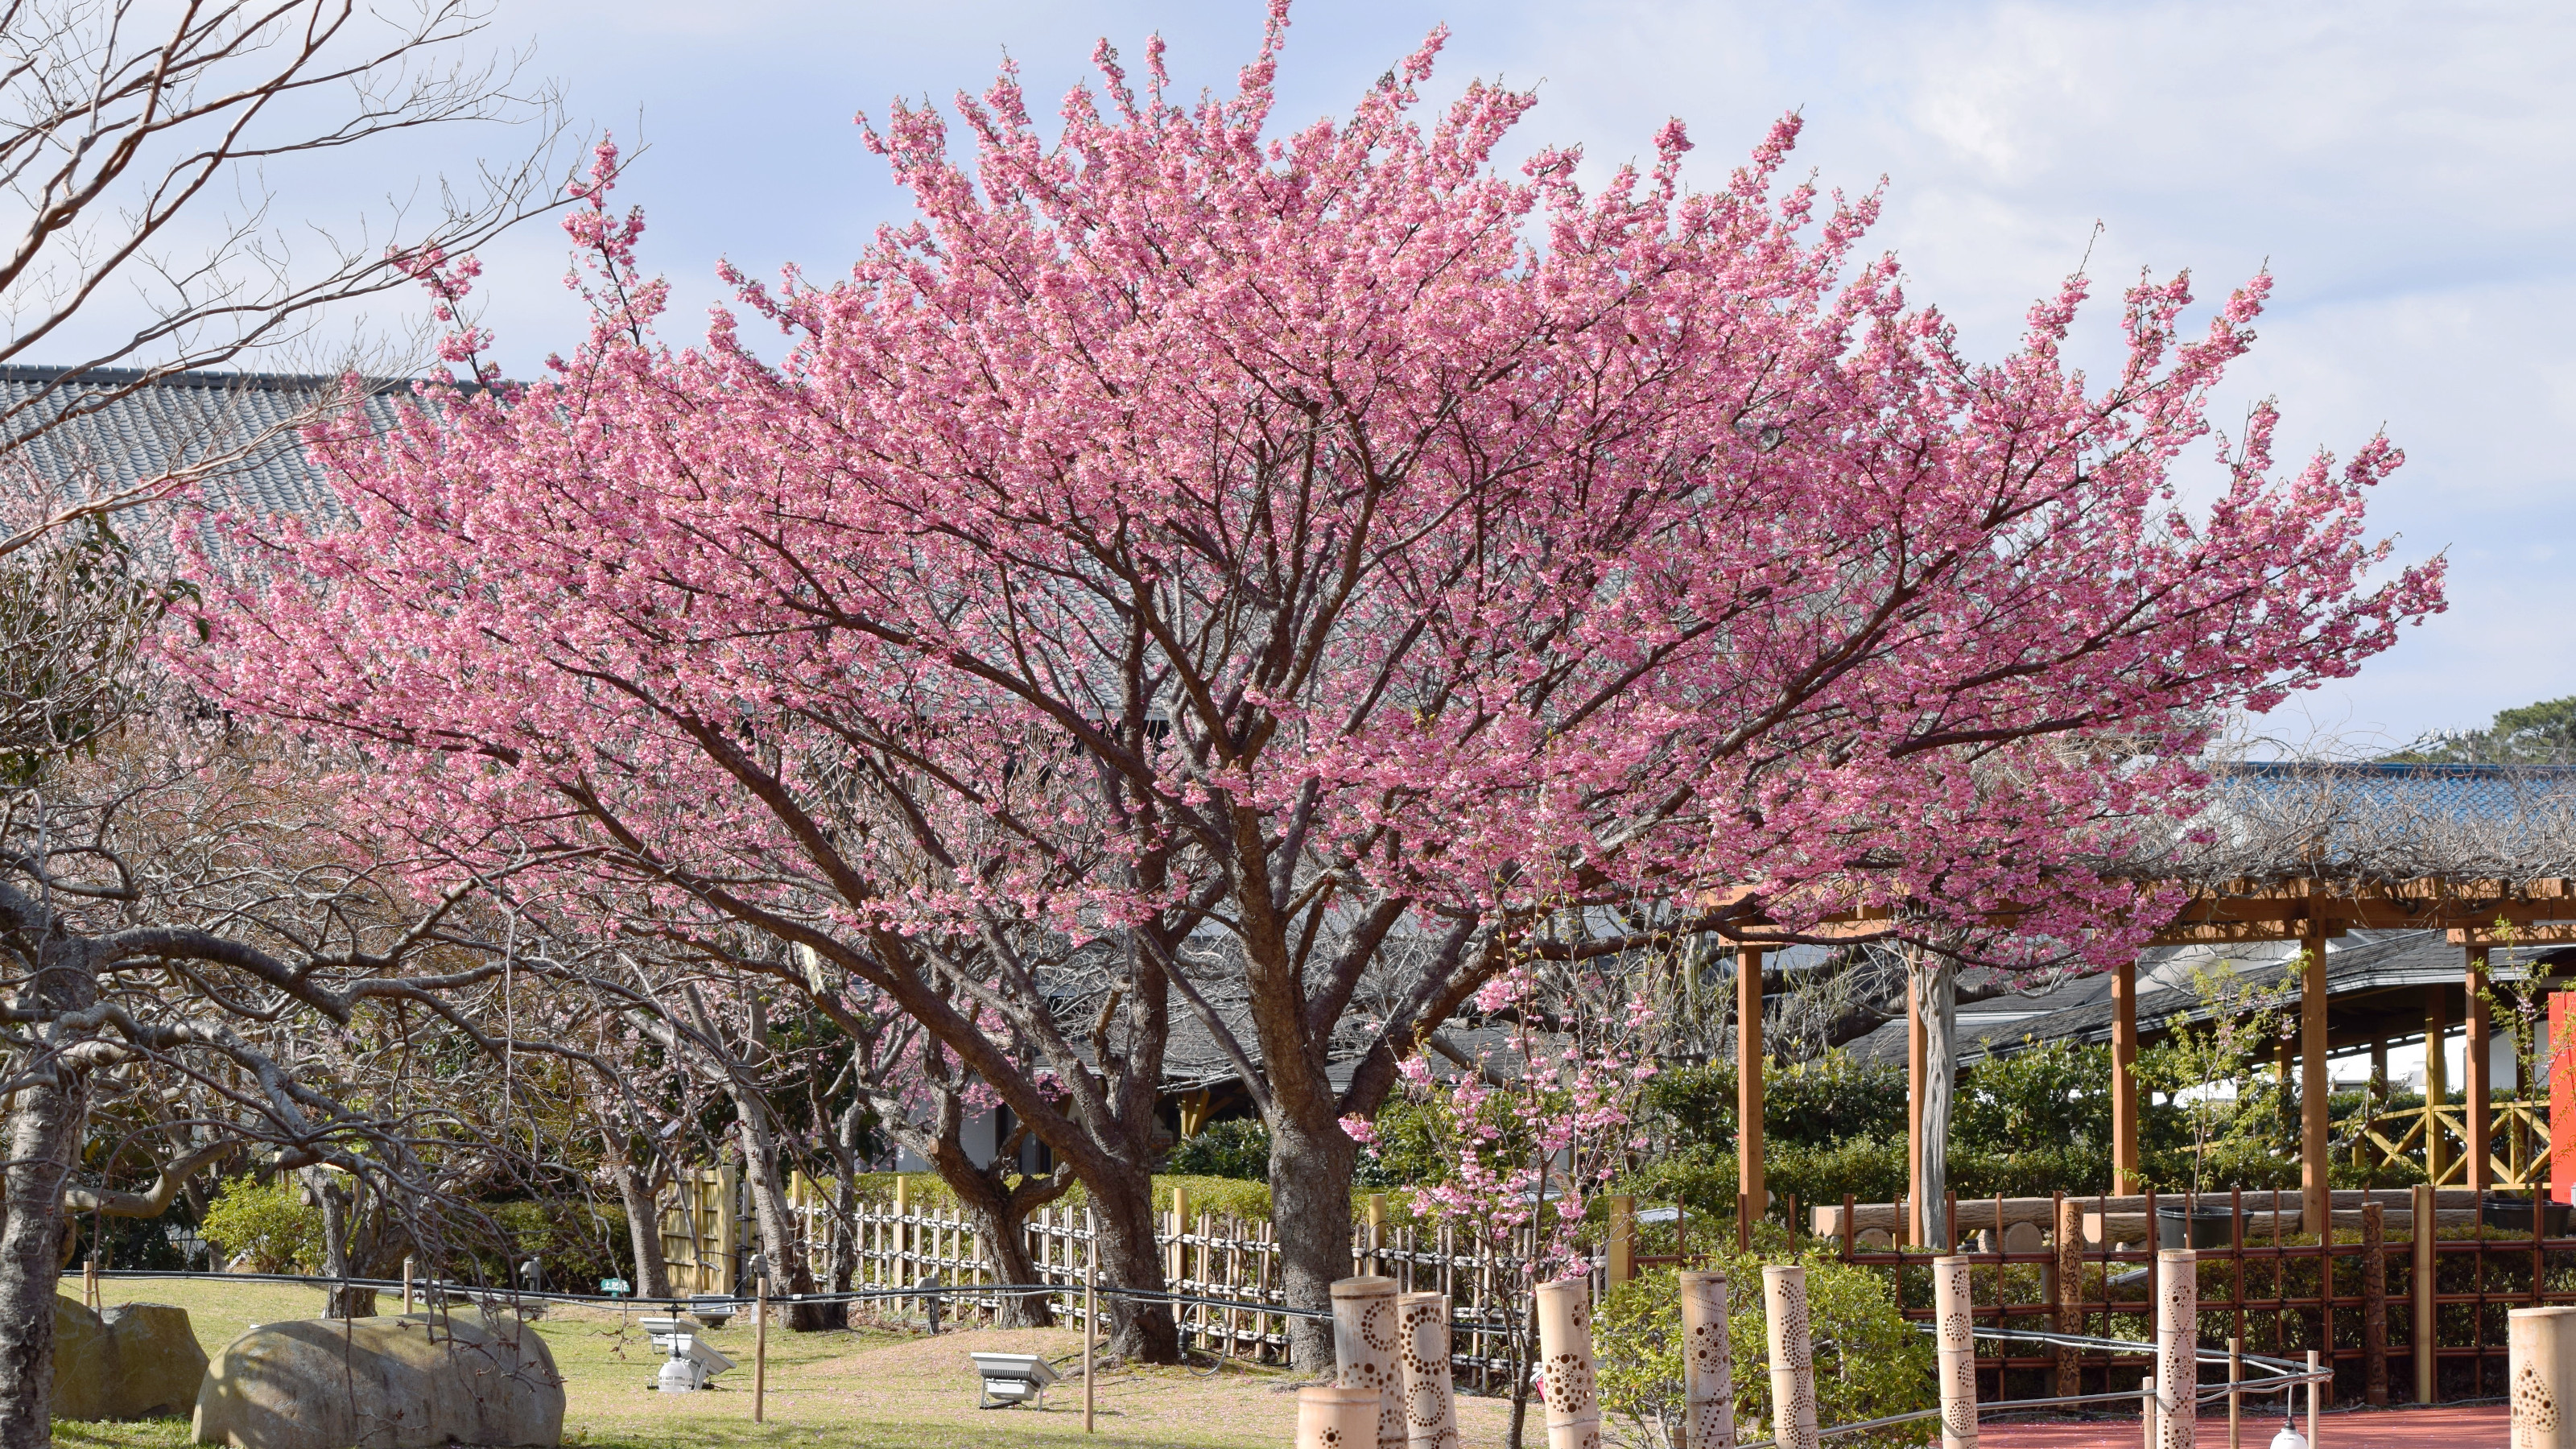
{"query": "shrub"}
[(578, 1243), (1238, 1149), (1870, 1362), (269, 1223)]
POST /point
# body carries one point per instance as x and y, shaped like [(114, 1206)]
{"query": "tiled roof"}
[(2486, 792)]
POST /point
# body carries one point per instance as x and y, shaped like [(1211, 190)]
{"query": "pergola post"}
[(2314, 1201), (2437, 1086), (1914, 1051), (1748, 1081), (2474, 1120), (2124, 1078)]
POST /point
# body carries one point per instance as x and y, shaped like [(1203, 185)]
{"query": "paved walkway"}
[(2480, 1427)]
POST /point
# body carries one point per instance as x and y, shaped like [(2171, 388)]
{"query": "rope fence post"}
[(1565, 1364), (2316, 1397), (1430, 1398), (407, 1268), (760, 1346), (1952, 1316), (1793, 1360), (1091, 1318), (1708, 1361), (2147, 1411), (1364, 1351), (2177, 1348), (2235, 1394)]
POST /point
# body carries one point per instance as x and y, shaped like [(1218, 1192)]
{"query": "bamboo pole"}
[(1430, 1397), (760, 1348), (1793, 1362), (2070, 1291), (1365, 1344), (1951, 1306), (1749, 1185), (2316, 1397), (1708, 1363), (407, 1270), (1623, 1239), (1090, 1319), (2177, 1348), (1565, 1364), (1336, 1417), (2147, 1412), (2540, 1347), (2421, 1292), (2235, 1395)]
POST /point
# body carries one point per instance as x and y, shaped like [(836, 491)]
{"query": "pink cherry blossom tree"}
[(1321, 543)]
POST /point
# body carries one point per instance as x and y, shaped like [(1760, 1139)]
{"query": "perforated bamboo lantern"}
[(1793, 1359), (1565, 1365), (2177, 1348), (1430, 1399), (2540, 1347), (1951, 1304), (1708, 1364), (1337, 1418), (1365, 1342)]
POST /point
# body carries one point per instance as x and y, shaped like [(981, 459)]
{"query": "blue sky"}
[(2409, 171)]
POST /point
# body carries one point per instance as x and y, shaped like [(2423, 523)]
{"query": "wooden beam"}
[(2520, 934), (1748, 1079), (2313, 1135), (2124, 1077), (2437, 1006), (2475, 1118)]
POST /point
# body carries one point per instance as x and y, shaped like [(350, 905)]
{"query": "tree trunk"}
[(781, 1245), (643, 1214), (1005, 1226), (1935, 984), (1310, 1205), (339, 1220), (1130, 1258), (44, 1136)]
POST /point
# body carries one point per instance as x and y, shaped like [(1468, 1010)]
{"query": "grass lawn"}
[(851, 1390)]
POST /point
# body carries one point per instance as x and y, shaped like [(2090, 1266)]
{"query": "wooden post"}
[(1366, 1345), (1623, 1239), (89, 1279), (2314, 1202), (2316, 1398), (2070, 1292), (760, 1348), (1708, 1361), (902, 1264), (1793, 1360), (2235, 1395), (2177, 1348), (1091, 1321), (2437, 1087), (2421, 1295), (407, 1269), (1336, 1418), (1916, 1228), (2147, 1412), (1177, 1254), (1565, 1364), (1430, 1398), (2124, 1078), (1952, 1309), (2540, 1348), (2374, 1304), (1748, 1076), (2475, 1119)]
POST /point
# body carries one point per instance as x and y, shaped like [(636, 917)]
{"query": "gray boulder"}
[(415, 1382), (135, 1361)]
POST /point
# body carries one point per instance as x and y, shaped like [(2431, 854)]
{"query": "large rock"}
[(135, 1361), (416, 1382)]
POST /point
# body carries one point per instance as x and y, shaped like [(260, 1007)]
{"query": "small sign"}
[(614, 1287)]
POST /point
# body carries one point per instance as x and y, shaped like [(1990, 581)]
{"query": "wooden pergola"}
[(2310, 910)]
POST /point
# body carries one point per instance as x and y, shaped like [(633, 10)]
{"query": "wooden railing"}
[(2404, 1134)]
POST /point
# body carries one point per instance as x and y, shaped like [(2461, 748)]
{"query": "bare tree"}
[(136, 149)]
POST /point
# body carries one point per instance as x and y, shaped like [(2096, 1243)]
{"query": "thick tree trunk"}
[(780, 1242), (339, 1225), (44, 1135), (1935, 984), (1310, 1206), (1144, 1332)]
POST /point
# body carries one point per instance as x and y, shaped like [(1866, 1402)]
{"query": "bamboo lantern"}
[(1951, 1304), (1365, 1343), (2541, 1363), (1793, 1360), (1708, 1363), (2177, 1348), (1565, 1364), (1430, 1399), (1337, 1418)]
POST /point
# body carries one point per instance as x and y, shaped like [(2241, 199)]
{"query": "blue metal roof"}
[(2460, 791)]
